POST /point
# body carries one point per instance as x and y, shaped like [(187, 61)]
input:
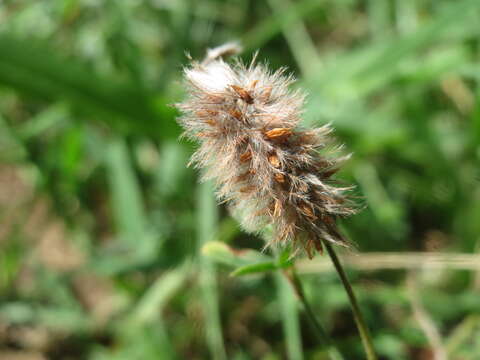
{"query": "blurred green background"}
[(102, 224)]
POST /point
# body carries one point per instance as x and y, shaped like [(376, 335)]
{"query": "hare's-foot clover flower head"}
[(269, 169)]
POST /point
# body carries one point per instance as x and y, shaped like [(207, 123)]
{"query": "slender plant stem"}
[(290, 320), (332, 351), (207, 223), (357, 314)]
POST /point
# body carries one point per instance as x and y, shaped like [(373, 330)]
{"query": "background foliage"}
[(102, 224)]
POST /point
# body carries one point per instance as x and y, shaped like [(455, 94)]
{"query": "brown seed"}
[(303, 187), (328, 219), (307, 210), (247, 155), (280, 134), (211, 122), (308, 248), (318, 245), (273, 159), (244, 176), (280, 178), (248, 189), (253, 84), (244, 94), (206, 113), (204, 134), (235, 113)]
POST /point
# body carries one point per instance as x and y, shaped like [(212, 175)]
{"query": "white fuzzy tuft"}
[(214, 77)]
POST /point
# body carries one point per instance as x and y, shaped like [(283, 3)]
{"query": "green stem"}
[(324, 339), (290, 321), (357, 314), (207, 219)]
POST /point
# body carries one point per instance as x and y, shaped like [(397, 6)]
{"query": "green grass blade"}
[(289, 312), (34, 68), (155, 298), (298, 39), (282, 19), (127, 202), (362, 71), (207, 218)]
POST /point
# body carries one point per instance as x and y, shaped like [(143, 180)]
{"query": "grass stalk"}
[(290, 321), (207, 218), (357, 314), (321, 334)]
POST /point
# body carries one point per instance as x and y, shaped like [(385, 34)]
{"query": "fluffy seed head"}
[(269, 169)]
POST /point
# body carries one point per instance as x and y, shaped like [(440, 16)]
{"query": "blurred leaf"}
[(255, 268), (228, 230), (33, 67), (462, 333), (246, 261), (274, 24), (170, 168), (43, 121), (138, 245), (390, 346), (388, 213), (150, 306), (11, 254), (224, 254), (127, 202), (261, 267), (56, 318), (360, 72), (10, 148)]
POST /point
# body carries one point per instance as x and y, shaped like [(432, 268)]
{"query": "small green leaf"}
[(255, 268), (265, 266), (220, 253), (224, 254)]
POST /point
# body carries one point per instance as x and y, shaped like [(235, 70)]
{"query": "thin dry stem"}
[(396, 261), (424, 320)]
